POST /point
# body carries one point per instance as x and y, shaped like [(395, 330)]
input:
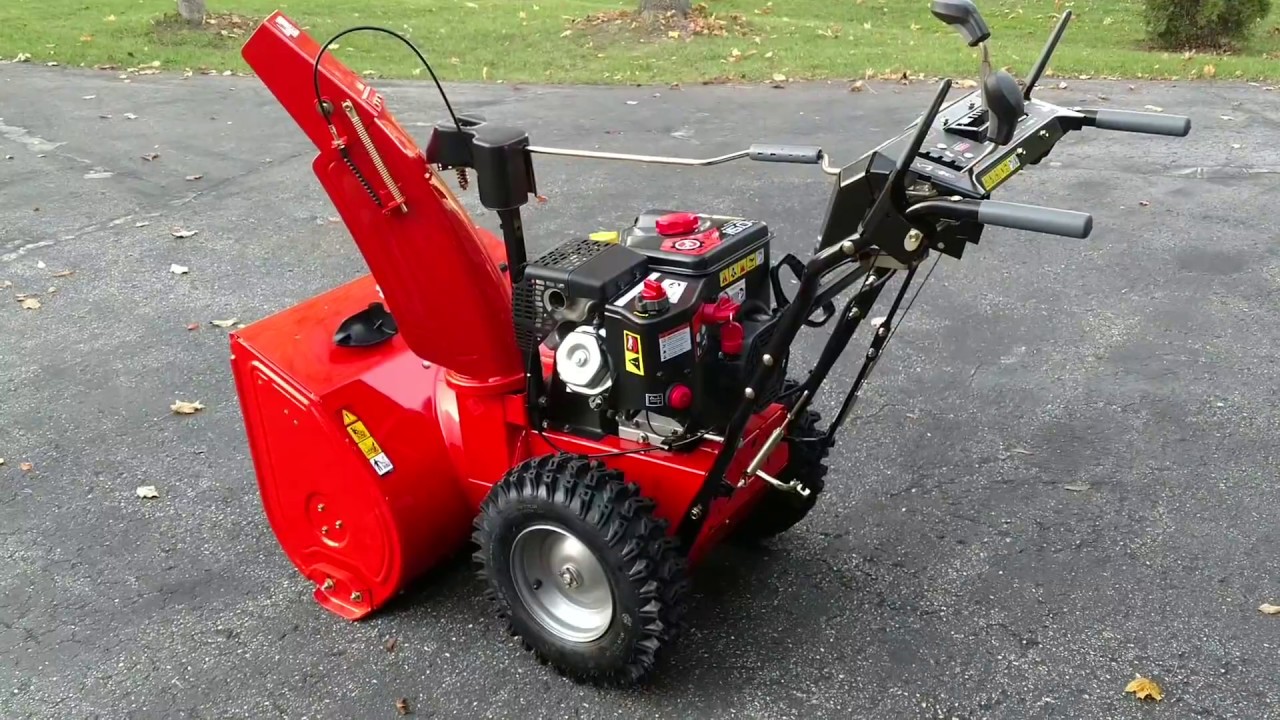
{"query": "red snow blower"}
[(590, 422)]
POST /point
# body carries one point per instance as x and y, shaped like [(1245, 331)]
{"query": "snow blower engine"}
[(592, 421)]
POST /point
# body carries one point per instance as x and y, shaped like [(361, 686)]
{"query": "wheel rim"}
[(562, 583)]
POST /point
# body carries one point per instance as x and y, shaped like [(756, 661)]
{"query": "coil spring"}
[(463, 181), (360, 176), (373, 151)]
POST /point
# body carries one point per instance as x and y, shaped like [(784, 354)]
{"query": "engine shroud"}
[(670, 372)]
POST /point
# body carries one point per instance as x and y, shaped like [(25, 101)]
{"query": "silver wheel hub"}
[(562, 583)]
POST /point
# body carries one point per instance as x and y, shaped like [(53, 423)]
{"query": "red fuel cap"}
[(680, 223), (679, 397), (653, 291)]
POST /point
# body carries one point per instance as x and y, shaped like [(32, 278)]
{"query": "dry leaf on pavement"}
[(193, 326), (147, 491), (183, 233), (1143, 688), (182, 407), (389, 645), (64, 273), (1269, 609), (402, 706), (26, 467), (179, 269), (224, 323), (30, 304), (150, 156), (194, 177)]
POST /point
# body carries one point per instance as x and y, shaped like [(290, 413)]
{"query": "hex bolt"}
[(324, 530), (337, 525), (320, 507), (328, 584), (356, 597)]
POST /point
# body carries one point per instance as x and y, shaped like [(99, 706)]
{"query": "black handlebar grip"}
[(1142, 122), (1052, 221), (803, 154)]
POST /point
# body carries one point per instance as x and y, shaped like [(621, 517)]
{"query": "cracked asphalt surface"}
[(1063, 473)]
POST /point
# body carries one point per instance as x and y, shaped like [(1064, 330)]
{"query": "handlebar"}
[(802, 154), (1137, 122), (1051, 221)]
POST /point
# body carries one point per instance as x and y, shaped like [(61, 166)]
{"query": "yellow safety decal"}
[(370, 448), (364, 440), (608, 236), (742, 267), (358, 431), (998, 174), (634, 356)]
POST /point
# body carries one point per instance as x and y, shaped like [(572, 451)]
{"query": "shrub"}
[(1202, 24)]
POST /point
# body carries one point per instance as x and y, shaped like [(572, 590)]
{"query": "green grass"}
[(525, 41)]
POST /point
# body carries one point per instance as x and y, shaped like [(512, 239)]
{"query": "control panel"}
[(956, 158)]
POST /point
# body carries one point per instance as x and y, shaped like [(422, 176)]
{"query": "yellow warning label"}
[(608, 236), (358, 431), (634, 356), (1000, 173), (740, 268), (370, 449), (348, 418)]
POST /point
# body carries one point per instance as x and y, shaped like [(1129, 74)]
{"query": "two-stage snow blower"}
[(594, 420)]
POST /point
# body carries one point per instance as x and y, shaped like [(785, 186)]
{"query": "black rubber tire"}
[(646, 571), (779, 510)]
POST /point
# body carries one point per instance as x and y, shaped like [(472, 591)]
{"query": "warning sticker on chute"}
[(363, 439)]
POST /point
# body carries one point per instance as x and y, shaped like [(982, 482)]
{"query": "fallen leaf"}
[(1264, 608), (150, 156), (100, 175), (224, 323), (1226, 117), (779, 77), (147, 491), (179, 269), (633, 102), (1020, 451), (182, 233), (141, 223), (1154, 108), (51, 290), (5, 284), (30, 304), (389, 645), (26, 467), (130, 116), (1062, 85), (1210, 71), (1144, 203), (88, 97), (182, 407), (402, 706), (1077, 487), (40, 264), (857, 86), (968, 84), (1236, 146), (1144, 688), (193, 326), (1, 461), (64, 273)]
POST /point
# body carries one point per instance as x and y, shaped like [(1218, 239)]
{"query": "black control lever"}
[(1137, 122), (1051, 221), (963, 15), (1042, 63)]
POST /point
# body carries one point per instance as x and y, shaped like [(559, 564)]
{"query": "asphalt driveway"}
[(1063, 473)]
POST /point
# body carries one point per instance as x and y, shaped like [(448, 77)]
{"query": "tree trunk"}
[(663, 6), (192, 11)]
